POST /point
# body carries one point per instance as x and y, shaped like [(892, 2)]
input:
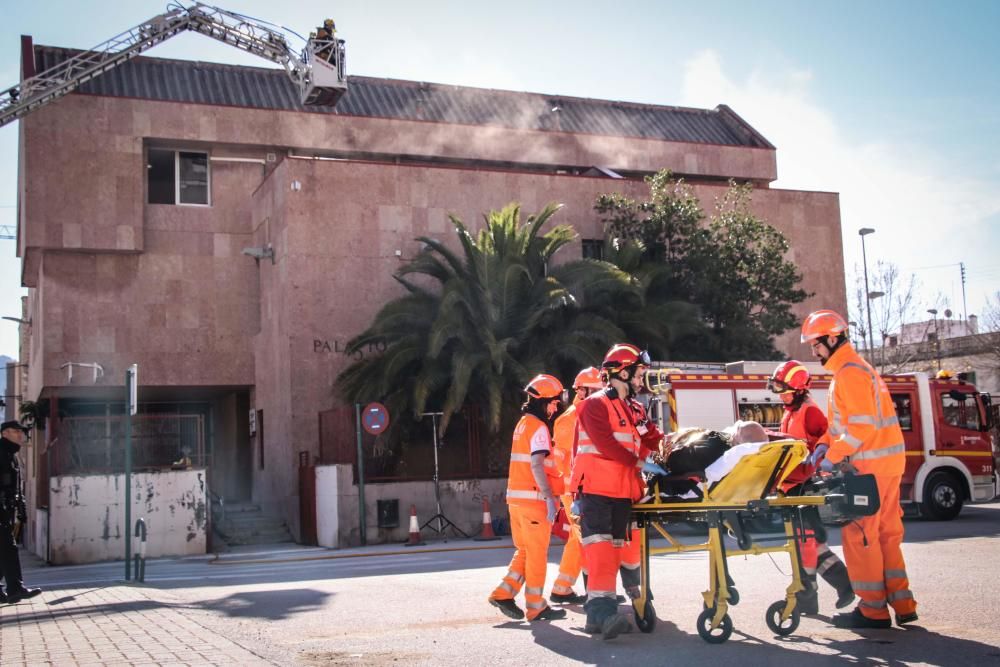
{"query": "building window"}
[(593, 249), (177, 177)]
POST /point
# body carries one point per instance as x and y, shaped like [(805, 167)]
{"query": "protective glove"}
[(552, 509), (826, 465), (652, 468), (817, 455), (575, 508)]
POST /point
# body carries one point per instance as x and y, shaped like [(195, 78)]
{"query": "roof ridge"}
[(409, 83), (207, 82)]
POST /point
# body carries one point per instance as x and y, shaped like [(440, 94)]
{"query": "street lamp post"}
[(875, 295), (937, 339), (863, 232)]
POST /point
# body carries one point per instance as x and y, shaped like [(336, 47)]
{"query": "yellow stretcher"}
[(745, 493)]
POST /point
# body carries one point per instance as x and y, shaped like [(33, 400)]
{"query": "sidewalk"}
[(108, 622), (112, 625)]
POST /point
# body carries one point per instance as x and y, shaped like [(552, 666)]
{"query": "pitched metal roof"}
[(261, 88)]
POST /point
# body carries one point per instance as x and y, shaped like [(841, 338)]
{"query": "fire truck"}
[(951, 458)]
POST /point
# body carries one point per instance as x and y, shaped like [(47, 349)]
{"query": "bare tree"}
[(897, 306), (989, 321)]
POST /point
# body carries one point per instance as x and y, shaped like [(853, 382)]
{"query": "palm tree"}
[(496, 314)]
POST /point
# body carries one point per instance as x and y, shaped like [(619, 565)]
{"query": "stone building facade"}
[(139, 193)]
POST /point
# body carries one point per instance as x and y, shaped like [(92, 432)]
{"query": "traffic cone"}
[(415, 540), (487, 533)]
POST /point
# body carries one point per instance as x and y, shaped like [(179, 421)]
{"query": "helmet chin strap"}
[(841, 339)]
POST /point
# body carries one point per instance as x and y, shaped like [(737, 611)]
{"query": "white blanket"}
[(723, 465)]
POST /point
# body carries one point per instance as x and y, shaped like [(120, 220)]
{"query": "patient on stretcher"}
[(696, 458)]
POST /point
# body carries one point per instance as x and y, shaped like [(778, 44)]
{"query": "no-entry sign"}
[(375, 418)]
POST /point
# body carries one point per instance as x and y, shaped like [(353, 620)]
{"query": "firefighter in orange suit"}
[(805, 421), (606, 481), (533, 486), (864, 434), (586, 383)]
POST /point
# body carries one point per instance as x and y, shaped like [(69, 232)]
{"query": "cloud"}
[(926, 211)]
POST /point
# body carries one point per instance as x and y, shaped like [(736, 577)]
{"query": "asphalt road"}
[(313, 607)]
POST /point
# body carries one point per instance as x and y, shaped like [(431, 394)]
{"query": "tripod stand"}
[(443, 522)]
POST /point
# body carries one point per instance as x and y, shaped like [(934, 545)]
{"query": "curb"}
[(394, 552)]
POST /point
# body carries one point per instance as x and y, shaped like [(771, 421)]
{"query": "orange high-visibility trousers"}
[(809, 552), (572, 557), (530, 528), (874, 555), (631, 553)]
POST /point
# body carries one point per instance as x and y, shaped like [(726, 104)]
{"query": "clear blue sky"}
[(895, 105)]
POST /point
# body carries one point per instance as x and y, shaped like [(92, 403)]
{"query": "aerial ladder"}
[(318, 71)]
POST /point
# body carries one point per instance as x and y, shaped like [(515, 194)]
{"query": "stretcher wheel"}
[(648, 620), (773, 619), (719, 634), (734, 598)]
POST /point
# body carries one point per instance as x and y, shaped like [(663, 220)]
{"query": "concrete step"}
[(249, 519), (258, 537), (237, 508), (248, 525)]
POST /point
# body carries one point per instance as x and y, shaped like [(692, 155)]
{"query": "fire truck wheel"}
[(943, 497)]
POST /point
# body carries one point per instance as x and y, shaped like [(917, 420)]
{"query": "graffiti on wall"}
[(477, 492), (339, 347)]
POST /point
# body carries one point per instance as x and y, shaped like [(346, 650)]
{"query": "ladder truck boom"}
[(318, 72)]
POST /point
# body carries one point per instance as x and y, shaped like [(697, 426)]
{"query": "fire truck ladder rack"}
[(319, 73)]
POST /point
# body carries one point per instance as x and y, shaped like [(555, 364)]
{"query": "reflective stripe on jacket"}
[(598, 475), (564, 433), (864, 429), (521, 485)]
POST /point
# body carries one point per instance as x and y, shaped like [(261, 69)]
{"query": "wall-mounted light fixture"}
[(260, 253)]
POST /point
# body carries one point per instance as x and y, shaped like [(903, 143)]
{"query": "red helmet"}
[(788, 377), (822, 323), (588, 377), (544, 386), (623, 355)]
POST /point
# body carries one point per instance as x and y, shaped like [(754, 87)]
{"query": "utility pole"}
[(863, 232), (965, 310)]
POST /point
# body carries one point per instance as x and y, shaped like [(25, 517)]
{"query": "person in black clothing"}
[(13, 436)]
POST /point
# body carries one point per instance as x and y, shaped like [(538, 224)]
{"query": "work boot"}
[(835, 574), (13, 597), (615, 625), (508, 607), (855, 619), (903, 619), (550, 614), (567, 598), (806, 600)]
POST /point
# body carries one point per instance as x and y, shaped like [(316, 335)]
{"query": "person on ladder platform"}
[(805, 421), (586, 383), (864, 435), (605, 478), (533, 485)]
